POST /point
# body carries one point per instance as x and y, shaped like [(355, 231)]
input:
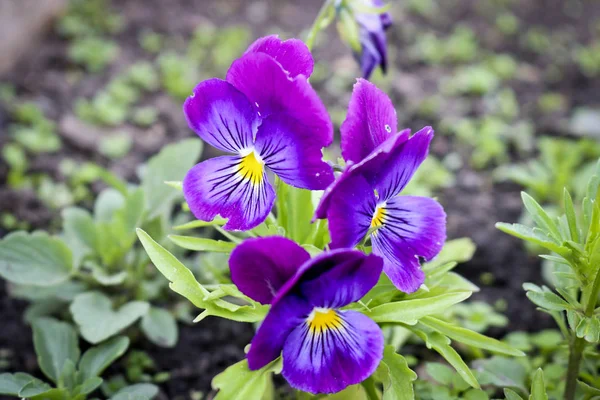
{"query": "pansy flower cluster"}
[(267, 116)]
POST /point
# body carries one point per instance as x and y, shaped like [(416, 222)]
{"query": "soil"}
[(473, 204)]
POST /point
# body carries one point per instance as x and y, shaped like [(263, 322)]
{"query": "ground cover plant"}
[(330, 232)]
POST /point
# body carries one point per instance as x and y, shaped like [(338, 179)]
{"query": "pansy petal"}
[(329, 360), (353, 275), (259, 267), (396, 169), (371, 120), (350, 217), (272, 91), (293, 55), (221, 115), (412, 228), (232, 187), (272, 334), (293, 153)]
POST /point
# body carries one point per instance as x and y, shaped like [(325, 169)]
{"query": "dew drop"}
[(317, 174), (193, 95), (256, 104), (258, 112), (388, 128)]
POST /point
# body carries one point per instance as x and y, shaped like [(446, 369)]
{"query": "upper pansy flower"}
[(267, 116), (325, 349), (372, 27), (365, 198)]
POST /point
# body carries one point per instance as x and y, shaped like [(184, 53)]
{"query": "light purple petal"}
[(293, 55), (413, 227), (391, 173), (351, 213), (371, 120), (272, 334), (351, 277), (271, 91), (260, 267), (221, 115), (293, 153), (331, 360), (220, 186)]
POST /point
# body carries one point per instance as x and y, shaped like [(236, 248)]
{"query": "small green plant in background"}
[(573, 242), (93, 268), (74, 376)]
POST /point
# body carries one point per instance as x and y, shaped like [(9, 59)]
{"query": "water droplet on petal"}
[(388, 128), (317, 174), (256, 104), (193, 95), (258, 112)]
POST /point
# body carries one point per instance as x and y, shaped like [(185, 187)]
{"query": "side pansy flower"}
[(267, 116), (324, 348), (372, 27), (365, 199)]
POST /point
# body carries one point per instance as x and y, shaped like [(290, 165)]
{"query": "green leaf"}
[(511, 395), (79, 226), (571, 216), (35, 259), (105, 279), (239, 383), (88, 386), (538, 388), (410, 311), (501, 372), (589, 328), (140, 391), (441, 344), (542, 297), (171, 164), (160, 327), (14, 384), (348, 29), (218, 221), (94, 314), (540, 217), (294, 211), (469, 337), (440, 373), (396, 376), (52, 394), (532, 235), (454, 251), (55, 344), (202, 244), (96, 359)]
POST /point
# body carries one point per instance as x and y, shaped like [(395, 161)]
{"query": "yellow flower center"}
[(378, 217), (251, 167), (322, 319)]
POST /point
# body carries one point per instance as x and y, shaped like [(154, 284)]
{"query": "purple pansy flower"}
[(325, 349), (366, 196), (267, 116), (373, 42)]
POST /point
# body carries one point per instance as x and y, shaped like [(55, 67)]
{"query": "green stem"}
[(317, 25)]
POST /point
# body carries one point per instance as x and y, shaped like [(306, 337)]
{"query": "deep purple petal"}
[(272, 334), (352, 277), (221, 186), (413, 227), (369, 168), (329, 361), (221, 115), (293, 153), (293, 55), (370, 121), (259, 267), (350, 216), (271, 91), (390, 173)]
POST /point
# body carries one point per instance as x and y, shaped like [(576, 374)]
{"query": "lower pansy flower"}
[(365, 199), (324, 347)]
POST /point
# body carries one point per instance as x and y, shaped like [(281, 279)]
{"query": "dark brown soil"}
[(473, 205)]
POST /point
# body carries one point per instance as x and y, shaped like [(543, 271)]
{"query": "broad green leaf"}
[(52, 394), (469, 337), (410, 311), (88, 386), (171, 164), (93, 312), (13, 384), (140, 391), (294, 211), (202, 244), (396, 376), (589, 328), (511, 395), (354, 392), (501, 372), (441, 344), (96, 359), (35, 259), (239, 383), (589, 390), (55, 344), (538, 388), (79, 226), (107, 203), (440, 373), (67, 377), (160, 327)]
